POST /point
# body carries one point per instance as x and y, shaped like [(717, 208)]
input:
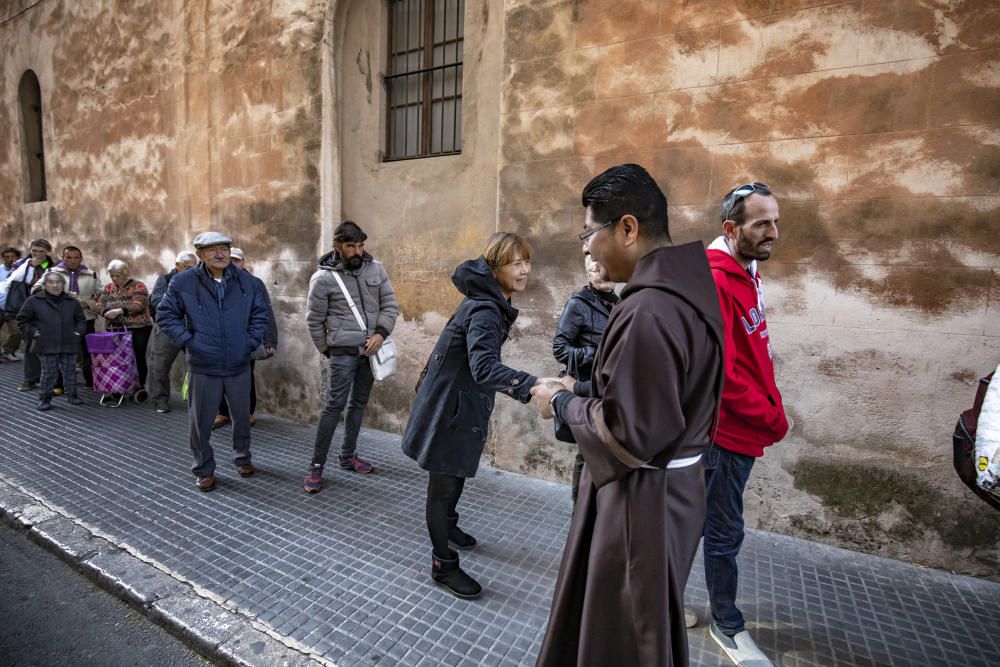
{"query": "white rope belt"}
[(676, 463)]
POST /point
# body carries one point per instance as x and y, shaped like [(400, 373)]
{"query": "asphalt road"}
[(50, 614)]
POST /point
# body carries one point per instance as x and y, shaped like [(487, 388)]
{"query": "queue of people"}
[(666, 389)]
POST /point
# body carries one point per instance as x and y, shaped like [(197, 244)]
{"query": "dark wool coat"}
[(584, 318), (52, 324), (218, 336), (619, 597), (450, 416)]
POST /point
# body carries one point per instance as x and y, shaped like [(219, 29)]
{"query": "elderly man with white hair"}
[(162, 351), (218, 314)]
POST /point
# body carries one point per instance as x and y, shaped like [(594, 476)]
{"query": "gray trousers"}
[(350, 385), (162, 354), (51, 366), (204, 394)]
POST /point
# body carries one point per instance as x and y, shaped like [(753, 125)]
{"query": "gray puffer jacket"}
[(332, 325)]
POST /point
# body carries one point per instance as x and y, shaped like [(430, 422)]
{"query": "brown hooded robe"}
[(619, 597)]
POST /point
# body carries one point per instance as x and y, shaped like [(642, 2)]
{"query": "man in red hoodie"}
[(751, 416)]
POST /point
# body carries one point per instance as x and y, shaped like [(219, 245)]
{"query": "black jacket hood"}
[(474, 279)]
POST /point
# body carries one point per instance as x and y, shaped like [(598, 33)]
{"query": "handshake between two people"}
[(545, 388)]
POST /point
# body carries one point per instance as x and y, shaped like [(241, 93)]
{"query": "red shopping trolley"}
[(116, 375)]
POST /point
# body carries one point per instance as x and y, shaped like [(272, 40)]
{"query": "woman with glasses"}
[(450, 416)]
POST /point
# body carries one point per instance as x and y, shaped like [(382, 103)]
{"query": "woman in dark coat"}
[(583, 321), (450, 416), (52, 322)]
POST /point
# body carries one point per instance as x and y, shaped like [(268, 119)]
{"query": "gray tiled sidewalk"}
[(344, 574)]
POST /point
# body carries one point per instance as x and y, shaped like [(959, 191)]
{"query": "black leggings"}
[(443, 492)]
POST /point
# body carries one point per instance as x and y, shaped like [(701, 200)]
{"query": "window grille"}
[(424, 83), (29, 95)]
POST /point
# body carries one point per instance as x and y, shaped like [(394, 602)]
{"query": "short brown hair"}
[(503, 246)]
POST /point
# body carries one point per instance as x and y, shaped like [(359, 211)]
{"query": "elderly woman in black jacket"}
[(583, 321), (450, 416), (52, 322)]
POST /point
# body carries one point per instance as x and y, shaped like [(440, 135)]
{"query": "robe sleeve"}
[(639, 415)]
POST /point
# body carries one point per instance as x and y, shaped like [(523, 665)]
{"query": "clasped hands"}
[(545, 388)]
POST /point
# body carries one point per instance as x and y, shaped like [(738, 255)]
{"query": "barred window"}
[(424, 83), (29, 95)]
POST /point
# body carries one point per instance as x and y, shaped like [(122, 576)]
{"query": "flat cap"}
[(206, 239), (236, 252)]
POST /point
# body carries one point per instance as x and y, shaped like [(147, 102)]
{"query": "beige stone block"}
[(797, 169), (615, 125), (609, 21), (858, 100), (809, 40), (684, 174), (544, 185), (537, 135), (538, 30), (694, 223), (568, 78), (966, 89), (676, 16), (953, 161), (680, 60), (895, 30)]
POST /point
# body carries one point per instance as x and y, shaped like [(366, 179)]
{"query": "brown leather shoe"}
[(245, 470), (253, 420), (206, 483), (220, 421)]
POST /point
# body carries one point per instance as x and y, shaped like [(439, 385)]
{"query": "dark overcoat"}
[(657, 382), (581, 326), (449, 419), (52, 324)]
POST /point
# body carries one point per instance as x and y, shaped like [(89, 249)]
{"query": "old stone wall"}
[(877, 124), (164, 118)]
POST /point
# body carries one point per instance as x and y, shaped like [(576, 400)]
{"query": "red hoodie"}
[(752, 416)]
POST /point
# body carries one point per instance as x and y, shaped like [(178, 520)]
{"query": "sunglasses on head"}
[(743, 192)]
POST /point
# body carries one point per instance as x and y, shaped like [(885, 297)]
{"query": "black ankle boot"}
[(45, 403), (460, 539), (457, 537), (447, 573)]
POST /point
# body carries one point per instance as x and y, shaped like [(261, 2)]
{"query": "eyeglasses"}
[(743, 192), (585, 236)]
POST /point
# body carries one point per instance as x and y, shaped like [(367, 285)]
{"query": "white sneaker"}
[(690, 618), (11, 356), (740, 648)]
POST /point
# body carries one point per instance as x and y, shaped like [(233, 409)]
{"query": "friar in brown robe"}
[(652, 405)]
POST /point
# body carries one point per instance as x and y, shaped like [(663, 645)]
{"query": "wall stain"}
[(856, 491)]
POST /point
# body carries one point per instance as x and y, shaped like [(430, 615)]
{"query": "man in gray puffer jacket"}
[(337, 335)]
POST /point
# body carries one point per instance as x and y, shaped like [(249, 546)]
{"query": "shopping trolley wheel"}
[(111, 400), (140, 396)]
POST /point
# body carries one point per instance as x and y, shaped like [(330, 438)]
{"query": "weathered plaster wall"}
[(423, 217), (164, 118), (878, 125)]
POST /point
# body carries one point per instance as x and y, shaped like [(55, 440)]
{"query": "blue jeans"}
[(726, 475), (351, 385)]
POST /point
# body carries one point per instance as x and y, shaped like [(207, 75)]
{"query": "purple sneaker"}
[(357, 465), (314, 482)]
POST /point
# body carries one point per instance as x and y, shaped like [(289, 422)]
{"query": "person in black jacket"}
[(580, 329), (265, 351), (162, 351), (52, 322), (448, 422)]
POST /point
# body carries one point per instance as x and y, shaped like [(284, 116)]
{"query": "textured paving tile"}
[(345, 572)]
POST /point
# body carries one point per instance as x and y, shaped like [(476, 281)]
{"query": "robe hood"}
[(684, 272), (474, 279)]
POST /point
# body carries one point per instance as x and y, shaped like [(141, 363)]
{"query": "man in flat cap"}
[(217, 314)]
